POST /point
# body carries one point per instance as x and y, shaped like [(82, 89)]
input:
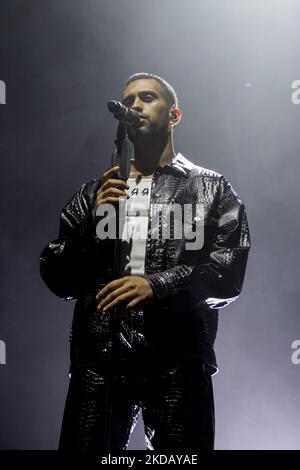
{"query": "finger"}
[(109, 200), (113, 192), (110, 172), (104, 299), (120, 299), (113, 183), (133, 303), (116, 197), (110, 297), (107, 290), (110, 287)]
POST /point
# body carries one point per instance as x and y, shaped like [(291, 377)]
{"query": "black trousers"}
[(174, 393)]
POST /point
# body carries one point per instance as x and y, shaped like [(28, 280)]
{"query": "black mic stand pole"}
[(123, 155)]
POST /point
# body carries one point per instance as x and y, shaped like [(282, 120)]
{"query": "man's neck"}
[(149, 157)]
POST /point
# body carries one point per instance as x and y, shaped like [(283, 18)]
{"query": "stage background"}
[(232, 64)]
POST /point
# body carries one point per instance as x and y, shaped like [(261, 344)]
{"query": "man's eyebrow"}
[(126, 98), (142, 92)]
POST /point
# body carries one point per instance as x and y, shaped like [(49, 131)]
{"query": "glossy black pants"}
[(174, 393)]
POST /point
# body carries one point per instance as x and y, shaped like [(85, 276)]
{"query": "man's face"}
[(146, 96)]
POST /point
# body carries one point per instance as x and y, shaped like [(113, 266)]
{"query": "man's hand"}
[(128, 290), (111, 189)]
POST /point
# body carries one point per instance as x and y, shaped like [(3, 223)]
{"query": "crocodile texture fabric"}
[(176, 400), (190, 286)]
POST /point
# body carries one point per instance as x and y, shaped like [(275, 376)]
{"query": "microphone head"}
[(113, 106), (122, 113)]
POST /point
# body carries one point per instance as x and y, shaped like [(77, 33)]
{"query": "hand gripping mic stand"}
[(123, 155)]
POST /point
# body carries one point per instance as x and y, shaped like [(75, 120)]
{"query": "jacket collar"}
[(179, 164)]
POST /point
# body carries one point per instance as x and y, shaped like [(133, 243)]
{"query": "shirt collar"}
[(179, 164)]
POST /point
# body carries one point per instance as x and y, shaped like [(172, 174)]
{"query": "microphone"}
[(122, 113)]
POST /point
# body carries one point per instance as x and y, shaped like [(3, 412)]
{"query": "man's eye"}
[(148, 98)]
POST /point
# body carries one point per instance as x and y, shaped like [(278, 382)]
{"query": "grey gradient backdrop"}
[(232, 63)]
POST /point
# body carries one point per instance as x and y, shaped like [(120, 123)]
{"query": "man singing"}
[(167, 294)]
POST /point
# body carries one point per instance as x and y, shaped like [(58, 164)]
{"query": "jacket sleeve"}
[(70, 263), (217, 280)]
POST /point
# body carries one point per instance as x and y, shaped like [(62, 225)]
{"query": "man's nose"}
[(137, 105)]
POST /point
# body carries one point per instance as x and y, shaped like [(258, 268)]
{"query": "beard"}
[(146, 130)]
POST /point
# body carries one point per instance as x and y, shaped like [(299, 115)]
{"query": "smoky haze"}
[(232, 64)]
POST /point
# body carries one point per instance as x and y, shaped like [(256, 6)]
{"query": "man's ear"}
[(175, 116)]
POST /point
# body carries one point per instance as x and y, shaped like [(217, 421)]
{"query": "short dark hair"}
[(168, 90)]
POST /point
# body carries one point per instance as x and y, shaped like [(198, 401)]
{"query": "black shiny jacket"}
[(190, 286)]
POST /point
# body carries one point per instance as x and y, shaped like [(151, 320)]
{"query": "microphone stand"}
[(123, 155)]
